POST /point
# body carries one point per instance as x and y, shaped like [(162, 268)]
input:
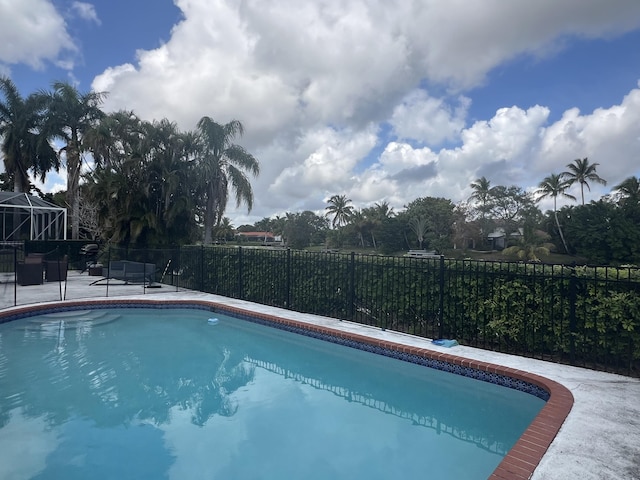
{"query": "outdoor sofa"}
[(134, 272)]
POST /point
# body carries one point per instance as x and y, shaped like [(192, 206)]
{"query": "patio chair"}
[(29, 271), (56, 270)]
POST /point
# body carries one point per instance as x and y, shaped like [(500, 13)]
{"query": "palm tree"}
[(552, 186), (110, 140), (25, 147), (382, 210), (340, 209), (629, 191), (221, 166), (71, 115), (377, 214), (225, 230), (419, 226), (582, 172), (362, 223), (482, 195)]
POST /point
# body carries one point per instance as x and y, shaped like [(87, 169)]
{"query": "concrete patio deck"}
[(599, 440)]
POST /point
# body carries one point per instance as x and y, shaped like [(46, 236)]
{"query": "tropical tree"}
[(603, 233), (363, 224), (511, 206), (438, 214), (629, 191), (481, 196), (221, 166), (381, 210), (377, 215), (582, 172), (224, 230), (419, 226), (113, 138), (340, 209), (304, 229), (481, 192), (145, 192), (25, 147), (70, 116), (553, 186)]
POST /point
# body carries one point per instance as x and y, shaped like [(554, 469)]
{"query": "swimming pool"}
[(184, 416)]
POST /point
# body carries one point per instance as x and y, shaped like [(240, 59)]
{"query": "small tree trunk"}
[(564, 243)]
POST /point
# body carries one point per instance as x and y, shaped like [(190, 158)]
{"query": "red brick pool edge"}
[(521, 460)]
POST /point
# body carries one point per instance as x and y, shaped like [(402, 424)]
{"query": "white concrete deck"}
[(600, 439)]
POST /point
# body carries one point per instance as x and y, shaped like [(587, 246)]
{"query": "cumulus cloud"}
[(518, 147), (337, 97), (429, 120), (33, 32)]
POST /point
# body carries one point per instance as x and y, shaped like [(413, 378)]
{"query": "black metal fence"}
[(581, 315)]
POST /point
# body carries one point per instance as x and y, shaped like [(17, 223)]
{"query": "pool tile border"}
[(521, 460)]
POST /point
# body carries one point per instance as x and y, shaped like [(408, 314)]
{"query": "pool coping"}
[(520, 461)]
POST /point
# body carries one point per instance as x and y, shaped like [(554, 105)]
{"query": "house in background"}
[(264, 238), (497, 239)]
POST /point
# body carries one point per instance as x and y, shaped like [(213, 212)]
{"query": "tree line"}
[(605, 231), (149, 183)]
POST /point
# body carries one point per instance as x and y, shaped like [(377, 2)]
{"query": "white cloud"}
[(429, 120), (312, 82), (33, 32), (86, 11)]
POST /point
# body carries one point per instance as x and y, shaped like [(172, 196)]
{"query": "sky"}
[(377, 100)]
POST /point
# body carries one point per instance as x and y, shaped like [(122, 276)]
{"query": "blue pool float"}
[(213, 321), (443, 342)]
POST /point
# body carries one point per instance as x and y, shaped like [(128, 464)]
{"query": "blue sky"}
[(379, 101)]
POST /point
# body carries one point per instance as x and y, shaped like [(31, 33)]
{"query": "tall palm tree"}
[(222, 165), (553, 186), (481, 192), (583, 172), (629, 191), (71, 115), (340, 209), (482, 196), (382, 210), (111, 139), (25, 148)]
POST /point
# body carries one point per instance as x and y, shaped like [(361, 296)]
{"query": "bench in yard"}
[(422, 254)]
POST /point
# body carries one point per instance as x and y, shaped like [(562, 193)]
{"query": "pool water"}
[(164, 394)]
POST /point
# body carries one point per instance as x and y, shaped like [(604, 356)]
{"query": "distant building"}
[(260, 237), (498, 238)]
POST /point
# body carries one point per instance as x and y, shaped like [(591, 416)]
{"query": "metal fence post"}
[(201, 268), (288, 280), (441, 299), (352, 285), (15, 276), (240, 273), (108, 267), (572, 314)]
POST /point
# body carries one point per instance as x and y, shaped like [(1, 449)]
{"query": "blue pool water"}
[(165, 394)]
